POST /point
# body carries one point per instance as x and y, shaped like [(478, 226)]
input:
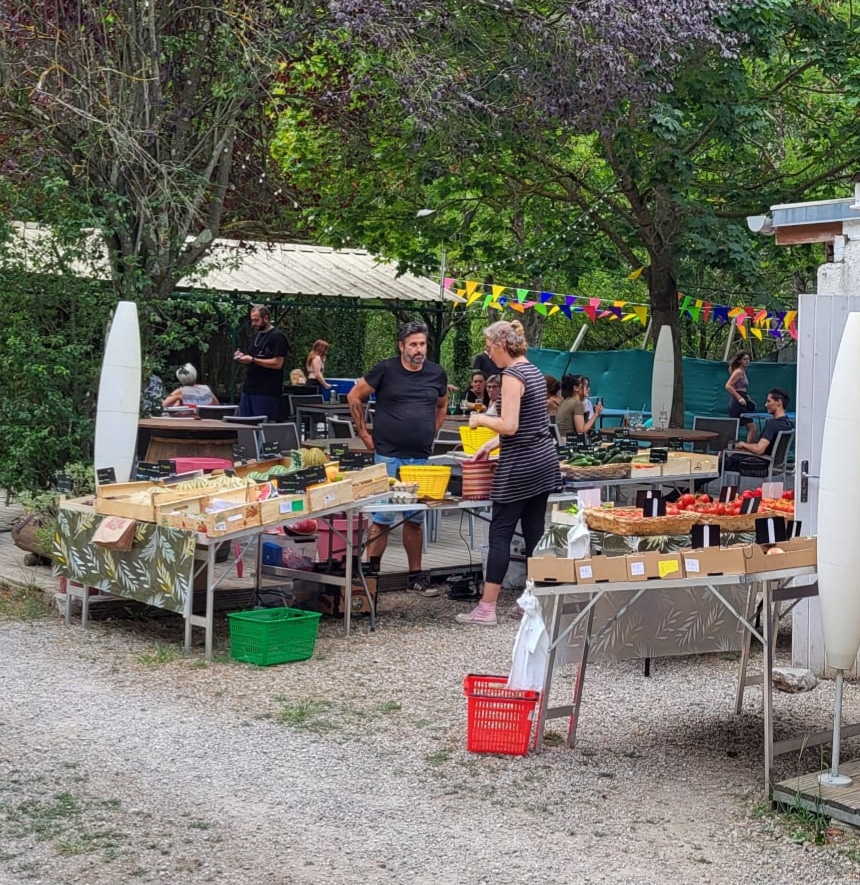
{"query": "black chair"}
[(764, 468), (249, 437), (447, 441), (313, 400), (727, 428), (339, 427), (284, 433)]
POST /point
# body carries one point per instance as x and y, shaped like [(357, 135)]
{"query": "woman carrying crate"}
[(527, 470)]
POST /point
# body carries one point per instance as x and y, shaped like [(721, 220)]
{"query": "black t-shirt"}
[(472, 397), (771, 428), (404, 419), (483, 363), (262, 381)]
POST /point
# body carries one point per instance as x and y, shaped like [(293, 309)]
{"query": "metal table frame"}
[(775, 587)]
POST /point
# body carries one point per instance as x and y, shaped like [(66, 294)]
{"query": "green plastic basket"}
[(273, 635)]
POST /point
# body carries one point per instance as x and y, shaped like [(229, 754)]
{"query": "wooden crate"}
[(329, 494), (371, 480), (283, 508), (222, 522), (114, 500)]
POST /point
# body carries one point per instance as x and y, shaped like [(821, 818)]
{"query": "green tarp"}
[(623, 379)]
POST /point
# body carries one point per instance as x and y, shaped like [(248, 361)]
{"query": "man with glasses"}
[(411, 404)]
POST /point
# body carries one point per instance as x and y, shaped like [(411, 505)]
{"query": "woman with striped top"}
[(528, 463)]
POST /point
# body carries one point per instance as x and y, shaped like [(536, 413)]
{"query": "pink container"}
[(330, 545), (186, 465)]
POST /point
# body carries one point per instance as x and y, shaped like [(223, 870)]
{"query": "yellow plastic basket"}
[(432, 479), (474, 437)]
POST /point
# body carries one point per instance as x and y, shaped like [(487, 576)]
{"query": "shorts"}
[(392, 464)]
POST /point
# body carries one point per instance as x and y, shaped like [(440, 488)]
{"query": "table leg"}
[(554, 627), (210, 600), (745, 652), (767, 685), (580, 682)]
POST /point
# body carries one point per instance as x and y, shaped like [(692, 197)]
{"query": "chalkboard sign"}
[(658, 456), (751, 505), (356, 460), (654, 507), (705, 535), (147, 470), (167, 467), (105, 476), (240, 454), (295, 483), (627, 445), (64, 484), (578, 442), (675, 444), (644, 495), (271, 449), (335, 450)]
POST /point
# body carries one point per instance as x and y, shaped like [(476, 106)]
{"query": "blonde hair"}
[(186, 375), (511, 336)]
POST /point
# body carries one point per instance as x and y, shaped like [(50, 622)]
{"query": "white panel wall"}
[(821, 321)]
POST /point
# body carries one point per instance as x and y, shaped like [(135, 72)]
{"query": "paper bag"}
[(115, 533)]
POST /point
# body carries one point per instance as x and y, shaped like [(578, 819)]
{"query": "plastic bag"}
[(579, 538), (531, 646)]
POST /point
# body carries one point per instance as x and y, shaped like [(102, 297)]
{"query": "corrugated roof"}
[(280, 269)]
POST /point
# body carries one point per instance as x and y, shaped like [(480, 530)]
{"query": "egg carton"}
[(404, 493)]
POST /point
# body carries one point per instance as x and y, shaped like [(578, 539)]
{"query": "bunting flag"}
[(748, 320)]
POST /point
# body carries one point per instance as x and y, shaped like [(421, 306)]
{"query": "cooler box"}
[(342, 386), (330, 545)]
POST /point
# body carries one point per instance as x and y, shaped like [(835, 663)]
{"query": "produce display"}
[(600, 458)]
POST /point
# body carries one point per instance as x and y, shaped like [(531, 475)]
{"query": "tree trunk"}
[(664, 312)]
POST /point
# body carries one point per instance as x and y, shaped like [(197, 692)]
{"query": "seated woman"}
[(553, 397), (190, 393), (583, 422), (494, 392), (477, 399), (564, 416)]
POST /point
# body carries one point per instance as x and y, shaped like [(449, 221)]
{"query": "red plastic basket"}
[(499, 719)]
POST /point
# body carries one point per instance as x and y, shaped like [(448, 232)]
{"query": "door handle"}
[(805, 476)]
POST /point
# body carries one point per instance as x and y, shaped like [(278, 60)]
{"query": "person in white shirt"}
[(190, 393)]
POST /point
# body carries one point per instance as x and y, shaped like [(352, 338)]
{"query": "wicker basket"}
[(432, 479), (743, 522), (478, 480), (600, 520), (474, 437), (602, 471)]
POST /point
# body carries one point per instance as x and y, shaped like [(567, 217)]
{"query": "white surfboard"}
[(118, 405), (662, 379), (838, 515)]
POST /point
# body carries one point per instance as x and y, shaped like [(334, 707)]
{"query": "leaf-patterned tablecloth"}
[(158, 570)]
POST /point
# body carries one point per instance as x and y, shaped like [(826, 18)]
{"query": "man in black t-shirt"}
[(744, 452), (411, 403), (483, 363), (265, 360)]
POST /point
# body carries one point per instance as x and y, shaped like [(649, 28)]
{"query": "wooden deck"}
[(840, 803)]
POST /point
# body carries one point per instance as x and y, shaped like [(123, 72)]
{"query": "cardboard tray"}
[(798, 553), (551, 570), (715, 561)]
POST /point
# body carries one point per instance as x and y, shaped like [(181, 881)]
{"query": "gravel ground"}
[(123, 761)]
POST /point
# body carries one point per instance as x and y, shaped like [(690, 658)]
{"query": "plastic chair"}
[(286, 434), (339, 427), (771, 466), (447, 441), (249, 437), (312, 400), (727, 428)]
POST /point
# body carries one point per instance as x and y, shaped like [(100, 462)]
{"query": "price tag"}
[(585, 571), (588, 498), (335, 450), (578, 442), (271, 449), (64, 484), (563, 452), (654, 507), (675, 444), (771, 490), (106, 476), (356, 460), (295, 483), (637, 568), (750, 505), (769, 530), (792, 528), (728, 493), (290, 484), (240, 454), (167, 467), (705, 536), (147, 470), (666, 567), (643, 495), (658, 456)]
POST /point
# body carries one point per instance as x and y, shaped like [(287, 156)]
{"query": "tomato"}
[(788, 496), (685, 500), (672, 510), (720, 509), (705, 499)]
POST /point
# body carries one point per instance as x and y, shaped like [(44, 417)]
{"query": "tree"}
[(141, 106), (662, 124)]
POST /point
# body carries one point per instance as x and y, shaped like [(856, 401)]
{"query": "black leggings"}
[(531, 514)]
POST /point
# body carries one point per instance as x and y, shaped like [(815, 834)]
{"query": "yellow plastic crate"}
[(474, 437), (432, 479)]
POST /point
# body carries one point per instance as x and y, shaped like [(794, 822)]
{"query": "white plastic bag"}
[(579, 538), (531, 646)]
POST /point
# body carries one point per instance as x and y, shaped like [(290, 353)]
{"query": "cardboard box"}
[(601, 569), (797, 553), (714, 561), (703, 463), (654, 566), (283, 508), (331, 599), (371, 480), (329, 494), (679, 465), (552, 570)]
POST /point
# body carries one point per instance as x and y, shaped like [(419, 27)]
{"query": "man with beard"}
[(411, 403), (265, 359)]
